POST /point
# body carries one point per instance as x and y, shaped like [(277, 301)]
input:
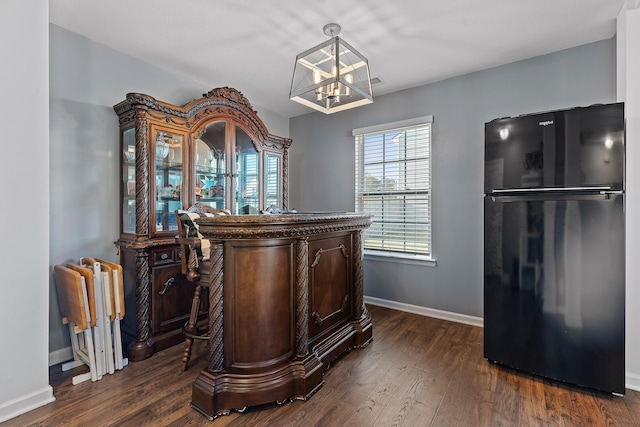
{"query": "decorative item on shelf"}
[(216, 191), (162, 147), (273, 209), (130, 154), (332, 76), (169, 192), (207, 182), (217, 153)]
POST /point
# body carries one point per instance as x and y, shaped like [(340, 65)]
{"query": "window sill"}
[(399, 258)]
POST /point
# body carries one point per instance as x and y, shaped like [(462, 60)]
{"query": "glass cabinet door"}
[(168, 151), (129, 181), (247, 198), (272, 183), (210, 166)]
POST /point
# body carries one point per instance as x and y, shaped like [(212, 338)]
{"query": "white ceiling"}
[(252, 45)]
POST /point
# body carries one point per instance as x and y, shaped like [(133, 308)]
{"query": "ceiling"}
[(252, 45)]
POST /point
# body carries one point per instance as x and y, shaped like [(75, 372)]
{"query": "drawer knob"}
[(164, 256)]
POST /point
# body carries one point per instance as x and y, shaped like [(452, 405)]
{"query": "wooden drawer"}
[(165, 256)]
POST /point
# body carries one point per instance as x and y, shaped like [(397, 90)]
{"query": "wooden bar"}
[(285, 304)]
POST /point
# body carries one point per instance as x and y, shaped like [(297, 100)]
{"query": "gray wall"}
[(322, 161), (24, 120), (86, 80)]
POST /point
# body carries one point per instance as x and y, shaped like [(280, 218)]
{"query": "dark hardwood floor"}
[(418, 371)]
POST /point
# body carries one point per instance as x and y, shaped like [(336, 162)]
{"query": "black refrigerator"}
[(554, 245)]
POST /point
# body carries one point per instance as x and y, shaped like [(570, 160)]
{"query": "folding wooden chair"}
[(117, 283), (74, 307), (105, 308)]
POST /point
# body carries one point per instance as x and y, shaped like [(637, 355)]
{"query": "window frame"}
[(398, 256)]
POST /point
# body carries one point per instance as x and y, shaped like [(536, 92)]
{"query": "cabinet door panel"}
[(128, 184), (330, 282), (168, 162), (259, 282), (172, 295), (210, 165), (247, 178), (272, 180)]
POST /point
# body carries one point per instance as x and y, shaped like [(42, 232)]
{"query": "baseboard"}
[(424, 311), (59, 356), (632, 381), (21, 405)]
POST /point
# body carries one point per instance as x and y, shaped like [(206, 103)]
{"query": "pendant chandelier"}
[(332, 76)]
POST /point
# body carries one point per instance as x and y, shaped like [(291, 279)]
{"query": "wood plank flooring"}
[(418, 371)]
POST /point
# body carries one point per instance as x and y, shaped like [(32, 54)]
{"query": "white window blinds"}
[(393, 182)]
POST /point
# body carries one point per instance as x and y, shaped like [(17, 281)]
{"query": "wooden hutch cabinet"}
[(214, 150)]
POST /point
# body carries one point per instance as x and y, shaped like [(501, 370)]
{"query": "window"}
[(393, 182)]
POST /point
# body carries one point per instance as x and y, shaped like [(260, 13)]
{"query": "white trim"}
[(424, 311), (632, 381), (61, 355), (26, 403), (399, 258), (393, 125)]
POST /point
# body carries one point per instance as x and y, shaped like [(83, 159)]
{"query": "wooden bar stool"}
[(195, 267)]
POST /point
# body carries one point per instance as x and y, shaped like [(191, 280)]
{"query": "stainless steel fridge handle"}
[(606, 188), (519, 197)]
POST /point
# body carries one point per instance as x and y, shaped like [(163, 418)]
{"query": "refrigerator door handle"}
[(508, 196), (548, 190)]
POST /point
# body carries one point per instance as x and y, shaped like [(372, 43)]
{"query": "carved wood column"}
[(143, 346), (358, 275), (216, 344), (142, 176), (142, 295), (302, 297), (285, 178)]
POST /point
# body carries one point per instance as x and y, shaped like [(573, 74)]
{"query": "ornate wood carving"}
[(142, 296), (142, 177), (225, 101), (302, 297), (216, 344), (358, 276), (319, 252), (319, 320), (230, 94), (279, 226), (285, 179)]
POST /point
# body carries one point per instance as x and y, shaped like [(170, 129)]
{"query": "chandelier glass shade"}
[(332, 76)]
